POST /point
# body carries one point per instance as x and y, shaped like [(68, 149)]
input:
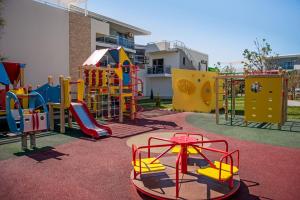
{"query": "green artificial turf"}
[(149, 104), (255, 132)]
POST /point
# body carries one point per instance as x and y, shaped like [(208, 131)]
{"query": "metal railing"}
[(121, 41), (159, 70)]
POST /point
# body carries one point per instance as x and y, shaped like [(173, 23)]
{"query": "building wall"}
[(97, 27), (188, 63), (159, 85), (171, 59), (37, 35), (80, 41), (289, 63)]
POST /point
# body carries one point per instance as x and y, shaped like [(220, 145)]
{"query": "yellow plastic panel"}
[(67, 97), (194, 90), (80, 90), (263, 99), (147, 167), (20, 91), (214, 173), (190, 149), (226, 167)]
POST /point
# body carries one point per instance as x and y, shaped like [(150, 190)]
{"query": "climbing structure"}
[(111, 84), (193, 90), (265, 96), (11, 77)]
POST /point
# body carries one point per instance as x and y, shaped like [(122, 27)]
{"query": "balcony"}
[(116, 40), (159, 71)]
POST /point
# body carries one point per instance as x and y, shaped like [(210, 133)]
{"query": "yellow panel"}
[(104, 78), (90, 77), (226, 167), (190, 149), (80, 90), (67, 97), (2, 112), (263, 102), (147, 167), (20, 91), (214, 173), (123, 56), (194, 90), (119, 72)]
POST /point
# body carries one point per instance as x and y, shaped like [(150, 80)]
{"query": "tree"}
[(229, 69), (294, 79), (262, 58)]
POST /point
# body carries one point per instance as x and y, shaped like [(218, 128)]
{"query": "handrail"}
[(160, 155), (157, 138), (205, 158), (213, 141), (231, 162)]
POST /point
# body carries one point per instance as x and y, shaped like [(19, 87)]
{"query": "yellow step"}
[(190, 149), (226, 167), (147, 167), (214, 173)]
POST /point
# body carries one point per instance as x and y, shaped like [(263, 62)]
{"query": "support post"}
[(51, 116), (217, 100), (108, 93), (62, 104), (226, 99), (22, 81), (121, 97), (133, 83), (50, 80)]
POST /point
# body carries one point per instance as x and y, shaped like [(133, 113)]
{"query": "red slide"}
[(87, 122)]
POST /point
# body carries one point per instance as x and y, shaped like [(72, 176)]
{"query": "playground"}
[(74, 167), (94, 137)]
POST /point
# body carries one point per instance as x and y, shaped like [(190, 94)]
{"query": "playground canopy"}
[(4, 79)]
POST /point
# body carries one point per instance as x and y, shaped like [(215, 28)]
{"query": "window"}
[(183, 60), (199, 66), (288, 65), (158, 66)]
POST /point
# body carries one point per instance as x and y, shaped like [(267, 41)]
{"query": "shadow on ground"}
[(42, 154)]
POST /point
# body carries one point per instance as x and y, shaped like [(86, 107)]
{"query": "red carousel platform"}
[(188, 175)]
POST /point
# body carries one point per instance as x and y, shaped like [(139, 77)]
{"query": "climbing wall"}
[(194, 90), (263, 99)]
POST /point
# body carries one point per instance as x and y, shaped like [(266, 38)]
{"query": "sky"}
[(220, 28)]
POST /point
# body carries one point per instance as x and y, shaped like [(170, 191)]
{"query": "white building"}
[(53, 40), (161, 58)]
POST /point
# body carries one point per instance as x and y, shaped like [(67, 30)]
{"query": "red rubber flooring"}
[(85, 169)]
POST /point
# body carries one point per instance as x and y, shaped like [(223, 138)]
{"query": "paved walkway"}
[(293, 103), (84, 169)]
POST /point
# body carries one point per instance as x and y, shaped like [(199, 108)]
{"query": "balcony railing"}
[(116, 40), (159, 70)]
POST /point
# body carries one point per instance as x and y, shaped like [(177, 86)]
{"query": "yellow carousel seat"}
[(147, 166), (214, 173), (226, 167)]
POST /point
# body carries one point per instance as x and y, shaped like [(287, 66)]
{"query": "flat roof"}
[(289, 55), (127, 27), (118, 24)]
